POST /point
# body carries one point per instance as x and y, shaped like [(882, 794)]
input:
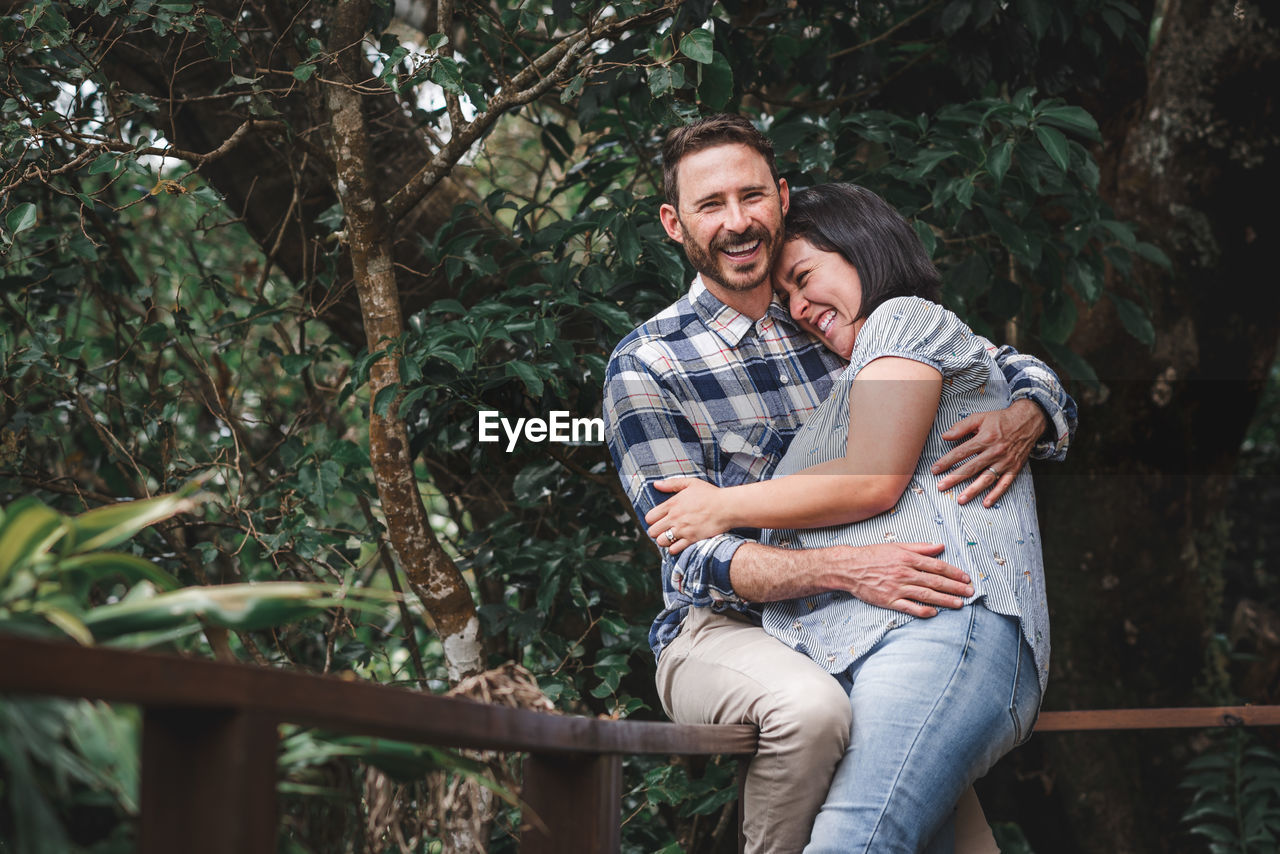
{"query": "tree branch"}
[(552, 67)]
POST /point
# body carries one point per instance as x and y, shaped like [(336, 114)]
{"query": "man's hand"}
[(900, 576), (999, 444)]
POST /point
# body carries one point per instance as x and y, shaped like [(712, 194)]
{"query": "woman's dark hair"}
[(871, 235)]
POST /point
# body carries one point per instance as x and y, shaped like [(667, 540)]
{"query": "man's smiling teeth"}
[(740, 249), (826, 320)]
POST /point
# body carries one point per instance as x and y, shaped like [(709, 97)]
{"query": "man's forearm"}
[(762, 573), (901, 576)]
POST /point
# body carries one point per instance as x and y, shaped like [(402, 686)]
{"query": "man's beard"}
[(710, 262)]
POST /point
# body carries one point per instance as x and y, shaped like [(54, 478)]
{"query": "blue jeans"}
[(935, 704)]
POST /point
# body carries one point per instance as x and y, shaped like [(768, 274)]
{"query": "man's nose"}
[(735, 217)]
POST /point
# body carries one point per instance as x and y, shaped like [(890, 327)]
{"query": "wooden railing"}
[(209, 741)]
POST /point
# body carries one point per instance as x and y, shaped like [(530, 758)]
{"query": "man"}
[(715, 386)]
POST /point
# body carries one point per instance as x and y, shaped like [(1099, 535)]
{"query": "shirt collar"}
[(729, 323)]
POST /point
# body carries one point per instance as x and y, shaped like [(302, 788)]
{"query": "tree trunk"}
[(1133, 528), (431, 572)]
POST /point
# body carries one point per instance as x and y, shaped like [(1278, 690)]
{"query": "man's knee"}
[(818, 713)]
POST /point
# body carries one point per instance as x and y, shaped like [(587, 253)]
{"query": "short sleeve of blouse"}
[(915, 328)]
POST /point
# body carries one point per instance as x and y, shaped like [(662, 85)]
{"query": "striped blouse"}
[(999, 547)]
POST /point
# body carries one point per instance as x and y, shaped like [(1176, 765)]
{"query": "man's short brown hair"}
[(721, 129)]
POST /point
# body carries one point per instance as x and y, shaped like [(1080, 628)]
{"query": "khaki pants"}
[(723, 669)]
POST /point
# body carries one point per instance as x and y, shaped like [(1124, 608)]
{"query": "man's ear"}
[(671, 222), (784, 193)]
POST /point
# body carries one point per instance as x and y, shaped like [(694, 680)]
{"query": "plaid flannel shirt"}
[(701, 390)]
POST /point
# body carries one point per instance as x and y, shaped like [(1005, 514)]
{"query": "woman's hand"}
[(696, 511), (995, 448)]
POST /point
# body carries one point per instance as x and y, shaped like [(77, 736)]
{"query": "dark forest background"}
[(273, 257)]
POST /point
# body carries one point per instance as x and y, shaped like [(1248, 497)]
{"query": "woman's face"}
[(822, 291)]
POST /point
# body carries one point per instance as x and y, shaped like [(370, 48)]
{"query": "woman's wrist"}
[(728, 509)]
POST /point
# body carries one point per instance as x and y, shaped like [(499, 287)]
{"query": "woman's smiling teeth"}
[(825, 320)]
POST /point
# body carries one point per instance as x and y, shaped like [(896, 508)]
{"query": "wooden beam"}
[(208, 782), (167, 681), (1116, 719)]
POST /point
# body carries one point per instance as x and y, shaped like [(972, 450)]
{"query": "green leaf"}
[(573, 90), (68, 622), (1021, 100), (660, 81), (435, 41), (1059, 318), (716, 86), (320, 482), (533, 483), (1154, 254), (1135, 320), (243, 607), (954, 15), (971, 277), (1055, 144), (1011, 234), (697, 45), (998, 160), (1037, 14), (21, 218), (107, 526), (925, 161), (527, 374), (384, 398), (614, 316), (28, 530), (1084, 279), (446, 73), (451, 306), (305, 71), (1122, 232), (927, 238), (1075, 119), (100, 565)]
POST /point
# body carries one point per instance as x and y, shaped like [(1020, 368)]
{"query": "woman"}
[(935, 702)]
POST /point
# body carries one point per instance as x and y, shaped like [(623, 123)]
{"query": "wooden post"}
[(743, 764), (576, 801), (208, 782)]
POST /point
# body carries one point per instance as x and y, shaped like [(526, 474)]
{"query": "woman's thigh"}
[(935, 704)]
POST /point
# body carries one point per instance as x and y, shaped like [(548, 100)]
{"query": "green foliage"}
[(1236, 800), (51, 565), (65, 759), (68, 765), (50, 562)]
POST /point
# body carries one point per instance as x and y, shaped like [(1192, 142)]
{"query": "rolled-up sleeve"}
[(1031, 379)]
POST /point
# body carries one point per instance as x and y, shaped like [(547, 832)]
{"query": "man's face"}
[(730, 215)]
